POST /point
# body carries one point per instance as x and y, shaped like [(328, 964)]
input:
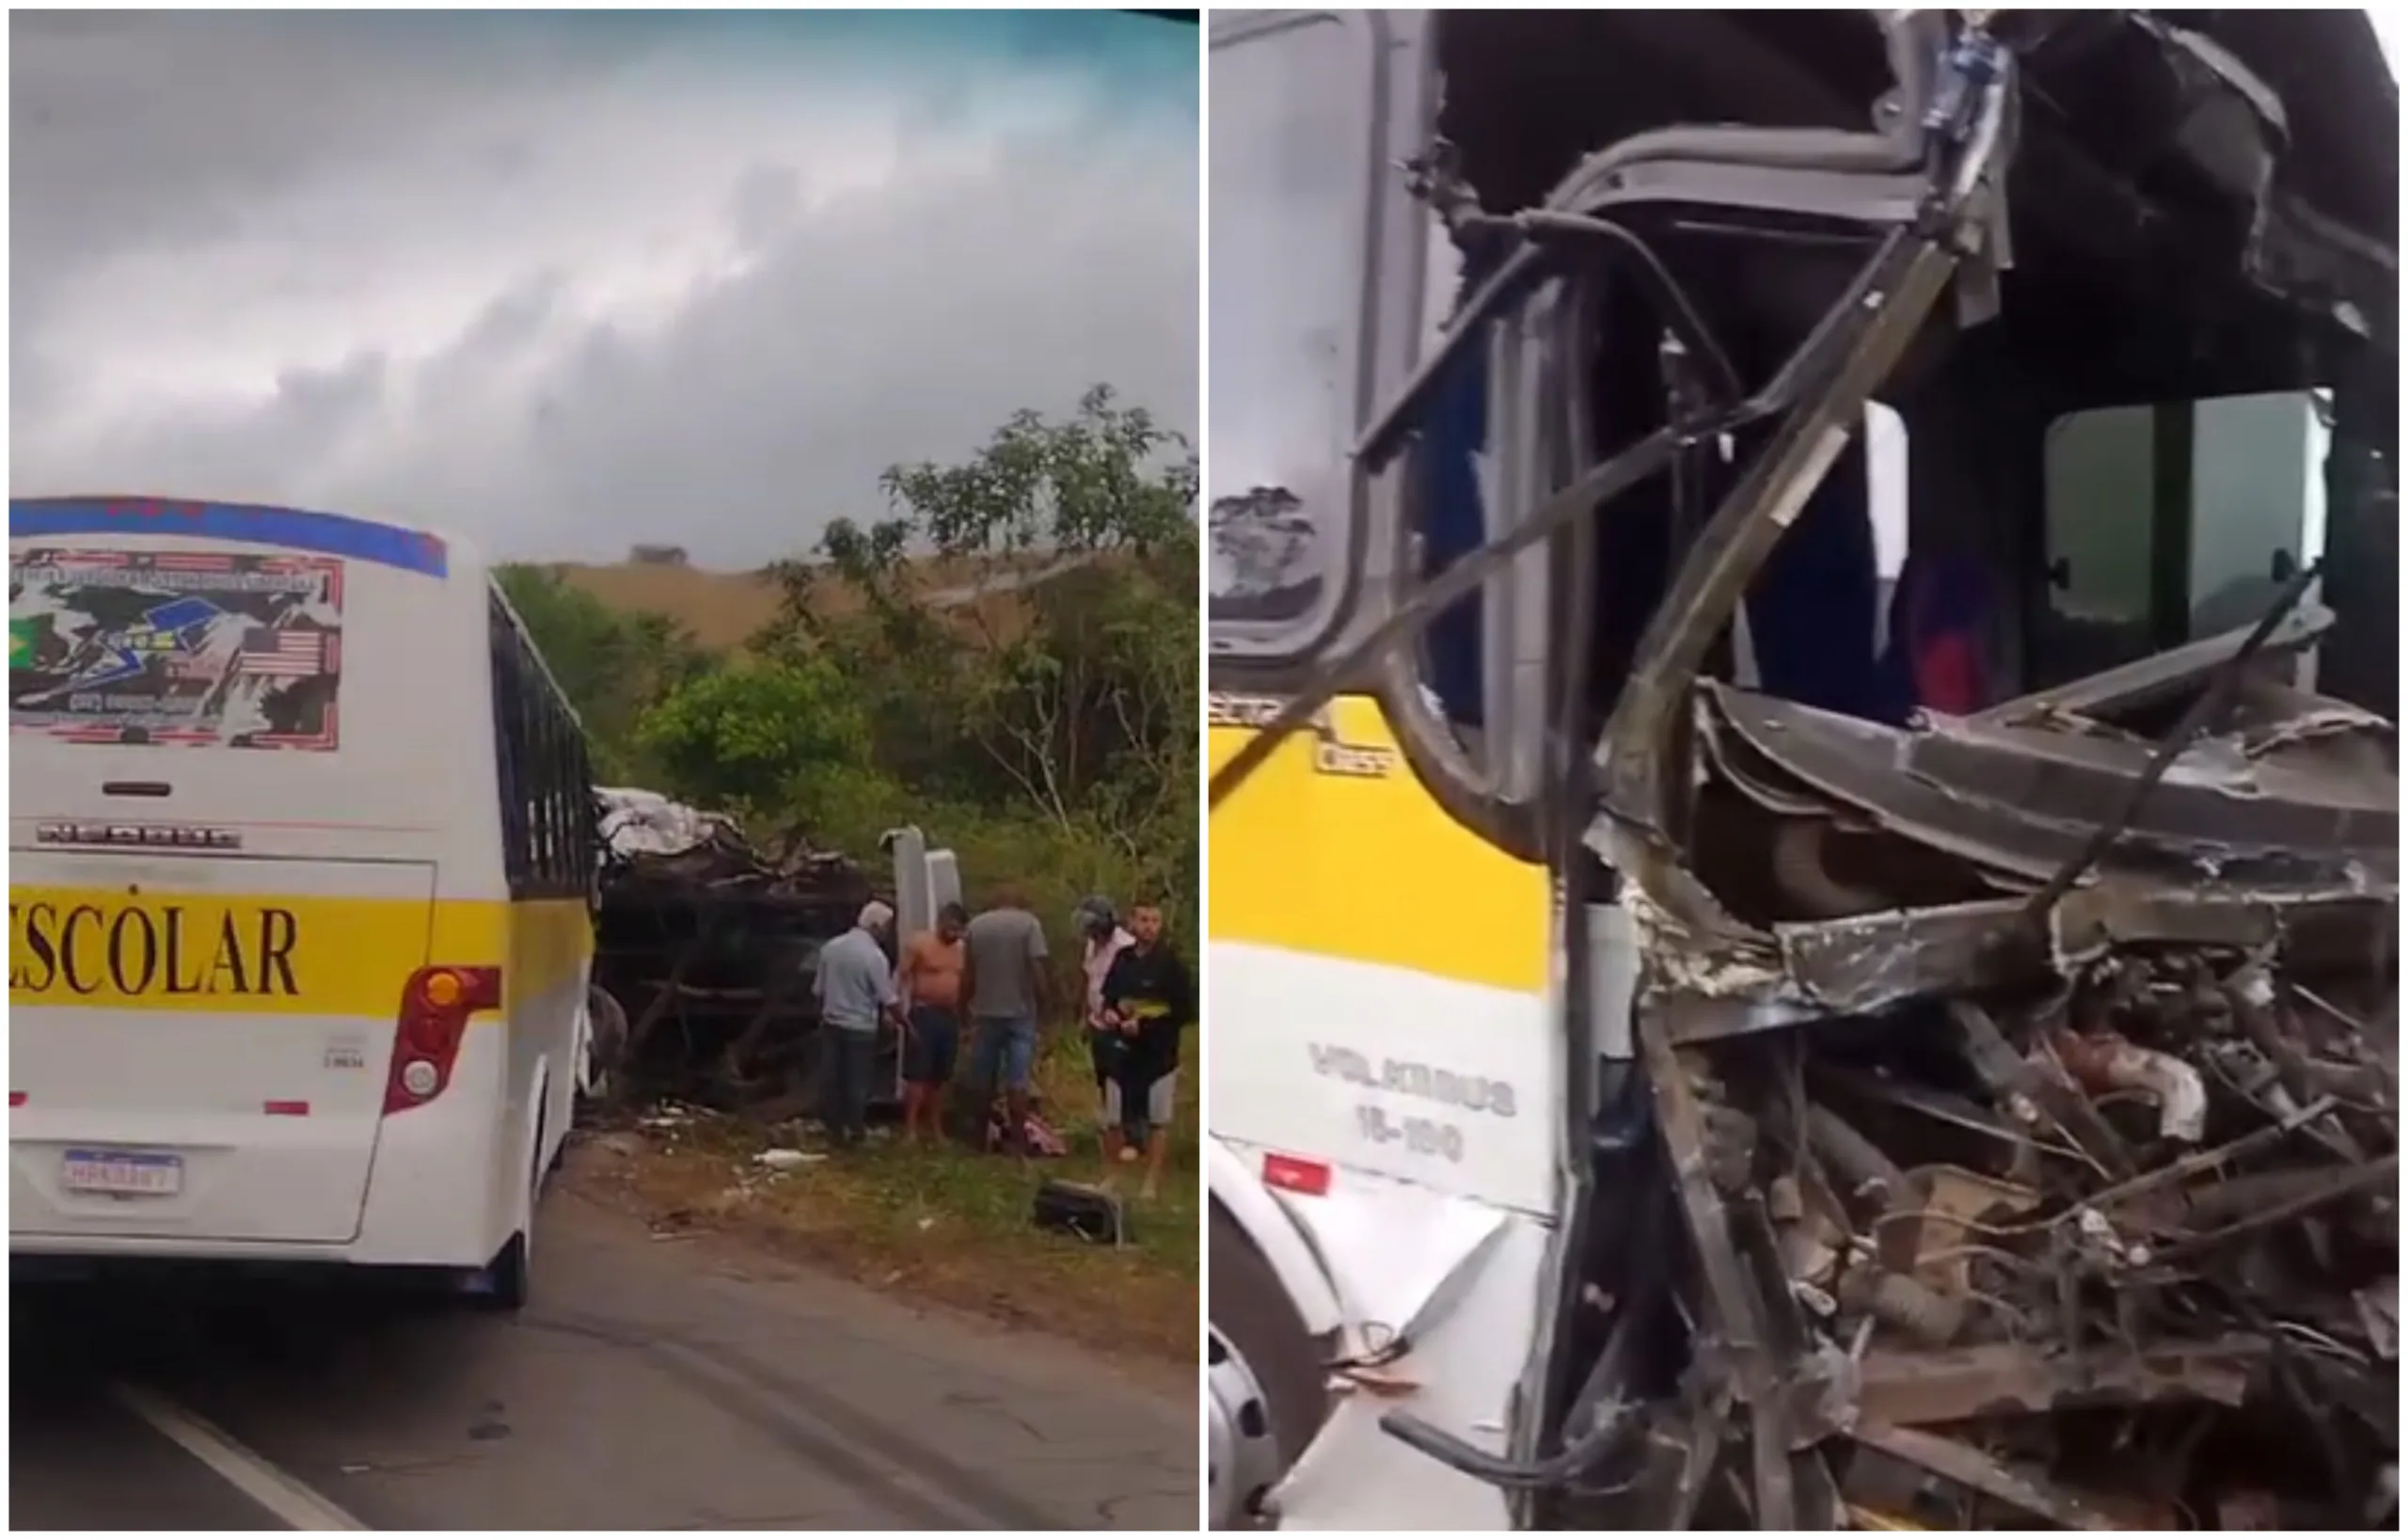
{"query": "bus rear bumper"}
[(197, 1269)]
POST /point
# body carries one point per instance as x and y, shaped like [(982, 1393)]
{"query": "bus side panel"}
[(1384, 1031), (551, 958), (1381, 974), (1458, 1280), (454, 1177), (432, 1202)]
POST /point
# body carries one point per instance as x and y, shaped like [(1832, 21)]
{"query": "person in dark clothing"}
[(1150, 999), (1102, 939)]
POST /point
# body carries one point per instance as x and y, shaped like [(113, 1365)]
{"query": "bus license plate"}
[(124, 1171)]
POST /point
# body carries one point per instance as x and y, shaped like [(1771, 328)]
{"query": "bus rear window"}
[(238, 649)]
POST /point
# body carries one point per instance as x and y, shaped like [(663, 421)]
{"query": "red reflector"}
[(285, 1110), (16, 1099), (1308, 1177)]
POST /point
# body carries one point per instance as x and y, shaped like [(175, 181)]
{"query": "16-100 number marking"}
[(1419, 1135)]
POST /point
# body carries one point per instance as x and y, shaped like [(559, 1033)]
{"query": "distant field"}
[(723, 609)]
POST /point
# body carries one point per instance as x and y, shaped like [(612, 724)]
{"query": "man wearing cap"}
[(856, 989), (1099, 929)]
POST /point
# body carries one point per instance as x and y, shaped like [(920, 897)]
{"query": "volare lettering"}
[(82, 950), (1424, 1082), (171, 836)]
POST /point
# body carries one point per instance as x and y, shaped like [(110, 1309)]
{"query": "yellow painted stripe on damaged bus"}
[(274, 953), (1335, 848)]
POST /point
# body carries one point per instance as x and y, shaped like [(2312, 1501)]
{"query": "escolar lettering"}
[(82, 949)]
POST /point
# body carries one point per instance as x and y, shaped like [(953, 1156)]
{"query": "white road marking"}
[(249, 1473)]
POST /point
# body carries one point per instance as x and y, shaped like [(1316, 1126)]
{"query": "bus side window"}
[(2100, 476), (2172, 522), (589, 854), (510, 749), (530, 772), (2257, 503), (555, 798), (546, 781), (539, 850)]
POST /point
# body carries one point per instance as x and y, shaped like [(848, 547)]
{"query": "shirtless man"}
[(930, 982)]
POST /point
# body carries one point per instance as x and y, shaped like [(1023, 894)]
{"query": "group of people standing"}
[(989, 976)]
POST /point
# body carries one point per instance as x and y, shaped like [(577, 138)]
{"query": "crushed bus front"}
[(2003, 1124)]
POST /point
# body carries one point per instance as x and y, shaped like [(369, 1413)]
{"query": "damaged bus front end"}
[(1974, 839)]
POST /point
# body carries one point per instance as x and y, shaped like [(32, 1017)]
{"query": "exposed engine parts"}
[(2084, 1213), (2127, 1248)]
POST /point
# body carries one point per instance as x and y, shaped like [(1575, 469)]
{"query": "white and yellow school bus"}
[(301, 858)]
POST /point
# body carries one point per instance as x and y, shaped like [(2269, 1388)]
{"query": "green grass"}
[(952, 1226)]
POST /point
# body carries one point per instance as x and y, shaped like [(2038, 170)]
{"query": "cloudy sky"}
[(563, 283)]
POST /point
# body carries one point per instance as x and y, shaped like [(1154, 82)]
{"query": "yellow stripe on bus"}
[(1336, 849), (274, 953)]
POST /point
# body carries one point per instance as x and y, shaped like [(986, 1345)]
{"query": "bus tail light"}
[(437, 1004)]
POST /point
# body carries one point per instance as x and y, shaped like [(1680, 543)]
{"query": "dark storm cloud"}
[(566, 284)]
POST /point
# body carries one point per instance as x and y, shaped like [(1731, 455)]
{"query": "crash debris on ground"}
[(2033, 1106), (705, 944)]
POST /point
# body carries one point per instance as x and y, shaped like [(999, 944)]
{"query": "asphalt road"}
[(652, 1385)]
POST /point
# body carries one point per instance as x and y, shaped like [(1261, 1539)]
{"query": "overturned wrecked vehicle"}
[(1996, 1119), (705, 951)]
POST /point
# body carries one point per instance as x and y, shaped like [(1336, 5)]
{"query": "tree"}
[(612, 666), (1008, 656), (776, 737), (1025, 627)]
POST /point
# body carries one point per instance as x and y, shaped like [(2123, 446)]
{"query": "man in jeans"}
[(930, 983), (856, 989), (1004, 980)]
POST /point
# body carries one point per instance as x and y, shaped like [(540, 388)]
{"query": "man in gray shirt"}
[(1007, 989), (856, 989)]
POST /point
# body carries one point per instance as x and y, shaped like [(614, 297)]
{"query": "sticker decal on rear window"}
[(228, 649)]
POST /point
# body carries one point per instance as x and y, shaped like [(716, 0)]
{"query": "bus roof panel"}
[(293, 528)]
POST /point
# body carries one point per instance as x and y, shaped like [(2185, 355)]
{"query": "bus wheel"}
[(1268, 1389)]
